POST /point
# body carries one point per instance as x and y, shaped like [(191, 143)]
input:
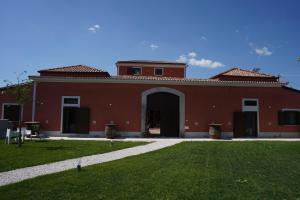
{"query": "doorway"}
[(246, 123), (74, 119), (162, 114)]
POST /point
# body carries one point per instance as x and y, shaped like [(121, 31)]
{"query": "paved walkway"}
[(18, 175)]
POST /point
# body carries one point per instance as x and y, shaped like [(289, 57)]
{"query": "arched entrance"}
[(163, 108)]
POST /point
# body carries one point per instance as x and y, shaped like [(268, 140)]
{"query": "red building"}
[(157, 96)]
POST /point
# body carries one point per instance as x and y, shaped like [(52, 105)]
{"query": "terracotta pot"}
[(215, 131), (215, 137)]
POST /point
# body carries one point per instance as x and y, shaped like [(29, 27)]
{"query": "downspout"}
[(33, 101)]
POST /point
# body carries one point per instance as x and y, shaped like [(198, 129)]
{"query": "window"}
[(158, 71), (289, 117), (134, 71), (12, 112), (70, 100), (250, 103)]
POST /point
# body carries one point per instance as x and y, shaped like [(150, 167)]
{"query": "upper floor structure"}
[(151, 68)]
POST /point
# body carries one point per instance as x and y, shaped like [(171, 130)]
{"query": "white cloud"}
[(94, 28), (182, 58), (203, 38), (192, 54), (192, 60), (205, 63), (264, 51), (261, 51), (154, 46)]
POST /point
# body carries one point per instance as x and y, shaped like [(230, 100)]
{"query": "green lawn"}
[(190, 170), (46, 151)]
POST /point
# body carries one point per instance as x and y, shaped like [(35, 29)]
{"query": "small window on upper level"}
[(158, 71), (71, 100), (134, 71), (250, 103)]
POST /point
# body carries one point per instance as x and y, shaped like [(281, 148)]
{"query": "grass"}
[(190, 170), (45, 151)]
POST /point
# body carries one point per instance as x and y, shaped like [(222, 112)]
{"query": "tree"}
[(21, 92), (298, 58)]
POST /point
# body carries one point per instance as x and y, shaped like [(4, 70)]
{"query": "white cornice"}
[(198, 82)]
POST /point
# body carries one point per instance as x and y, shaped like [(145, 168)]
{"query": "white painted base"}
[(97, 133), (227, 134), (91, 134), (187, 134), (206, 135), (130, 134), (279, 135), (196, 135)]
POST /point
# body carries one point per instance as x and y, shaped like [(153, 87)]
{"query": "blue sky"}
[(212, 36)]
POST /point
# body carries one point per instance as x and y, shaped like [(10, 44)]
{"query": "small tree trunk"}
[(20, 133)]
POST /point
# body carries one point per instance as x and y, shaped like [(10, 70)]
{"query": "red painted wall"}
[(125, 100), (149, 71)]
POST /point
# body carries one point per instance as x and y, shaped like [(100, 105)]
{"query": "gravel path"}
[(18, 175)]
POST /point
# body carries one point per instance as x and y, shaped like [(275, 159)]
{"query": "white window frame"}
[(137, 74), (252, 109), (67, 105), (14, 104), (290, 109), (162, 69)]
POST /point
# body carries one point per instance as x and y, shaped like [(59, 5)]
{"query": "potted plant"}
[(215, 131), (110, 131)]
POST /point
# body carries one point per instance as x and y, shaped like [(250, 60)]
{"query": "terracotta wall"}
[(149, 71), (122, 104)]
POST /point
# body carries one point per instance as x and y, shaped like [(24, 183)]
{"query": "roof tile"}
[(74, 68), (242, 72)]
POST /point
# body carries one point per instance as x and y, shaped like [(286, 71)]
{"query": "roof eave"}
[(204, 82)]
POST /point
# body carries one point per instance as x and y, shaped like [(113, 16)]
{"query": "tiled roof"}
[(74, 68), (242, 72), (151, 62)]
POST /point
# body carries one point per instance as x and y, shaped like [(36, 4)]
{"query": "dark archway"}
[(163, 113)]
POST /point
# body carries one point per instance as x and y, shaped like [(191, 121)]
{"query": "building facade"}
[(156, 97)]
